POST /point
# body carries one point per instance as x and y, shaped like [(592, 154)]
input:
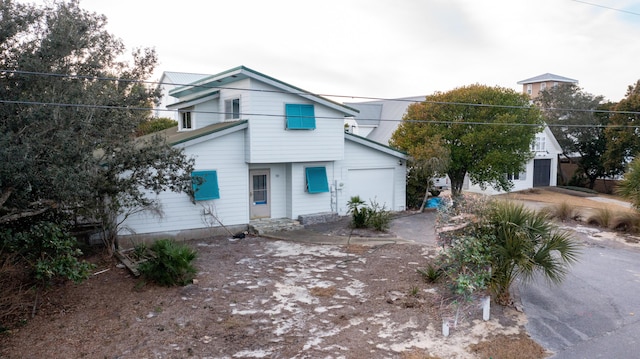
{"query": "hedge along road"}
[(595, 311)]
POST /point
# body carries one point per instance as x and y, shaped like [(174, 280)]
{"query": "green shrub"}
[(359, 212), (431, 273), (49, 251), (170, 263), (378, 217)]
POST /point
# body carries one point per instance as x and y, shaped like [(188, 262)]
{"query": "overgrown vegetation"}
[(32, 257), (502, 241), (169, 263), (368, 216)]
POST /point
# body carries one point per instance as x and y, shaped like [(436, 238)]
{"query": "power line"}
[(148, 109), (99, 78), (607, 7)]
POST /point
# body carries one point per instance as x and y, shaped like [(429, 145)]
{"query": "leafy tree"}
[(579, 129), (155, 125), (425, 163), (488, 132), (623, 134), (524, 242), (70, 111), (629, 187)]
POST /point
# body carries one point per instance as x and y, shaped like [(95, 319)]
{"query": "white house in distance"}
[(381, 118), (267, 149)]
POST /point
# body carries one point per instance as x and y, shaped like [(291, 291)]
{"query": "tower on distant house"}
[(534, 85)]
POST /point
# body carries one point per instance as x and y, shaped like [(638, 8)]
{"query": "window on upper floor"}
[(539, 144), (543, 86), (300, 117), (205, 185), (529, 89), (232, 109), (317, 179), (185, 120)]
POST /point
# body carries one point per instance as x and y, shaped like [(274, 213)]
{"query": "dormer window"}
[(185, 120), (232, 109), (539, 145)]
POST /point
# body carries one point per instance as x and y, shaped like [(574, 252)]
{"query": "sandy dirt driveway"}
[(261, 298)]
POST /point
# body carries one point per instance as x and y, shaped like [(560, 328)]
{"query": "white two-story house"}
[(267, 149), (379, 119)]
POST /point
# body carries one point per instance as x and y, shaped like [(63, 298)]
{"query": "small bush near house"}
[(379, 218), (372, 216), (170, 263), (359, 212)]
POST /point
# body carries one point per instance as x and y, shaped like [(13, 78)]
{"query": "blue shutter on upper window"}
[(205, 185), (300, 117), (317, 180)]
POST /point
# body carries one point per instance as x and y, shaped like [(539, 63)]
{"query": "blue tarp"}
[(434, 202)]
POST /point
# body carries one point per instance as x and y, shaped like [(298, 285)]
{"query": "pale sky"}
[(389, 48)]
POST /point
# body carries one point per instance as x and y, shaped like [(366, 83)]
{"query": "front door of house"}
[(259, 194)]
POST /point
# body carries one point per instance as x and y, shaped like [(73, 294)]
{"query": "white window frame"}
[(540, 144), (230, 112), (543, 86), (529, 89), (186, 118)]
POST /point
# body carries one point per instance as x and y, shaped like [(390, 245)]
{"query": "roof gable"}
[(375, 145), (226, 78)]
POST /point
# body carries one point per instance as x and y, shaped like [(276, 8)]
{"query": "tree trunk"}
[(426, 196)]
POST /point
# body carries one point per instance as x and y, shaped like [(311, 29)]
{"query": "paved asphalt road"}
[(595, 312)]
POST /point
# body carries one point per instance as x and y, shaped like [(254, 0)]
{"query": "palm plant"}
[(525, 242), (629, 187)]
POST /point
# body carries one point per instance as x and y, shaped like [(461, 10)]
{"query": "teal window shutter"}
[(300, 117), (205, 185), (317, 180)]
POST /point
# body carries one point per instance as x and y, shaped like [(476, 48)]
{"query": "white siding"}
[(226, 156), (360, 157), (270, 142), (205, 114), (303, 202)]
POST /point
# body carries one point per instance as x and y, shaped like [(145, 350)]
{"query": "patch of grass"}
[(625, 222), (323, 291), (418, 354), (562, 211), (414, 291), (601, 218), (431, 273), (579, 189), (509, 346), (356, 249)]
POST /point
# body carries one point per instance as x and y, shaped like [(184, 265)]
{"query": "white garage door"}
[(372, 184)]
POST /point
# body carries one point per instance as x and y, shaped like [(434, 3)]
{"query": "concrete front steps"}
[(270, 225)]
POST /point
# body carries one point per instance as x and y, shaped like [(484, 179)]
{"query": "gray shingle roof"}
[(386, 114)]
